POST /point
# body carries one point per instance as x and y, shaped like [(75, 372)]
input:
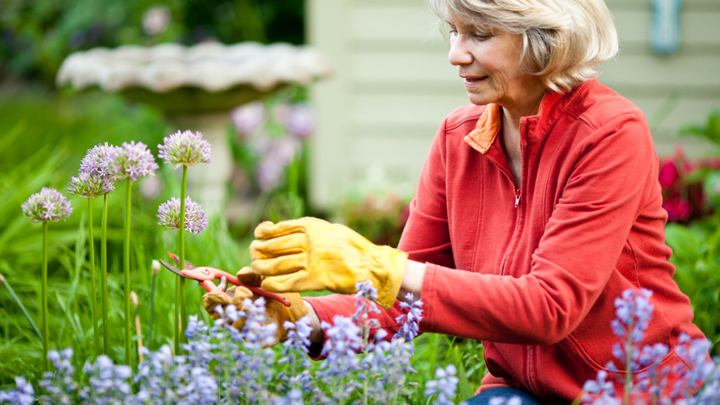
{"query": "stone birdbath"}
[(196, 87)]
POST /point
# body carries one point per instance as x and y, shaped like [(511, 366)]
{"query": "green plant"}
[(696, 256)]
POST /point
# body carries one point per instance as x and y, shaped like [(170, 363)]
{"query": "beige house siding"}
[(393, 85)]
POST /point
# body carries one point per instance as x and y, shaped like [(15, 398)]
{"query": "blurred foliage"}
[(696, 245), (285, 197), (376, 207), (696, 256), (37, 35), (710, 130), (378, 217), (691, 188)]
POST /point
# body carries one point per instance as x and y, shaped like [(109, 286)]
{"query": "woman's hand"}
[(274, 310), (311, 254)]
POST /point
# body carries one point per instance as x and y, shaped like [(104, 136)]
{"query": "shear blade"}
[(173, 269), (176, 259)]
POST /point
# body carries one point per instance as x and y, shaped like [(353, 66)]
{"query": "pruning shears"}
[(205, 276)]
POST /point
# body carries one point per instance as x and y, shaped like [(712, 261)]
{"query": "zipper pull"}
[(517, 198)]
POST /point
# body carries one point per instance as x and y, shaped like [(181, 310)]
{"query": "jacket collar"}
[(552, 107)]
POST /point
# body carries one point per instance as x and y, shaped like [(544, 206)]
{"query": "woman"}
[(537, 206)]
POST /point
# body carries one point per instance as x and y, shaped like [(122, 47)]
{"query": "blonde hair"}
[(563, 40)]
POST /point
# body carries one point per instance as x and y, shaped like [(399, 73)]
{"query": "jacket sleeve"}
[(425, 238), (576, 255)]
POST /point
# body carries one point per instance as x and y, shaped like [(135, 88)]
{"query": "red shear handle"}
[(259, 291), (267, 294), (209, 286)]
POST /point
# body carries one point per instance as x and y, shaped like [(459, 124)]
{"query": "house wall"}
[(393, 85)]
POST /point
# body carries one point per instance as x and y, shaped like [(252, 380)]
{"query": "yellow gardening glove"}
[(274, 311), (311, 254)]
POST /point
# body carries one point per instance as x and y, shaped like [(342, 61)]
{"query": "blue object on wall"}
[(665, 28)]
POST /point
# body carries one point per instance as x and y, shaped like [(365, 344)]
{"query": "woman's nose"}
[(459, 54)]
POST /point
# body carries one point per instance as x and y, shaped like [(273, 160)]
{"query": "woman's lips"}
[(473, 81)]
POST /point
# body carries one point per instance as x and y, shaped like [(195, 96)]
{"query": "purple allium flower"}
[(300, 120), (410, 321), (444, 384), (195, 218), (24, 394), (150, 187), (131, 160), (95, 161), (248, 118), (277, 154), (90, 185), (156, 19), (187, 148), (47, 205)]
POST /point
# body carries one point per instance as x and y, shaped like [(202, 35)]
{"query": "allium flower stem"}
[(293, 176), (183, 306), (155, 268), (93, 291), (126, 269), (103, 276), (46, 329)]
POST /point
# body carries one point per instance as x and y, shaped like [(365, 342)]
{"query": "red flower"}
[(678, 209), (668, 174)]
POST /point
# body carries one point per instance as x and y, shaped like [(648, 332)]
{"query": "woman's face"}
[(489, 62)]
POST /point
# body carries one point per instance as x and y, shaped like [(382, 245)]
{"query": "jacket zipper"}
[(531, 349)]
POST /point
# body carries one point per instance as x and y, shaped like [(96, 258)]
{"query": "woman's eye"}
[(481, 37), (453, 32)]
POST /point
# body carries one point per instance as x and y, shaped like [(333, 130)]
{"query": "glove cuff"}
[(392, 263)]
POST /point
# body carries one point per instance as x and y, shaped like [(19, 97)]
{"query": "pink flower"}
[(156, 19), (300, 120), (668, 174), (678, 209), (249, 118)]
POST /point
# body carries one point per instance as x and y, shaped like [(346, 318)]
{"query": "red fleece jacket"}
[(532, 269)]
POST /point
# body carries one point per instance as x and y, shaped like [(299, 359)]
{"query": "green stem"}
[(152, 310), (103, 274), (46, 329), (293, 175), (176, 323), (183, 303), (93, 291), (126, 269)]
